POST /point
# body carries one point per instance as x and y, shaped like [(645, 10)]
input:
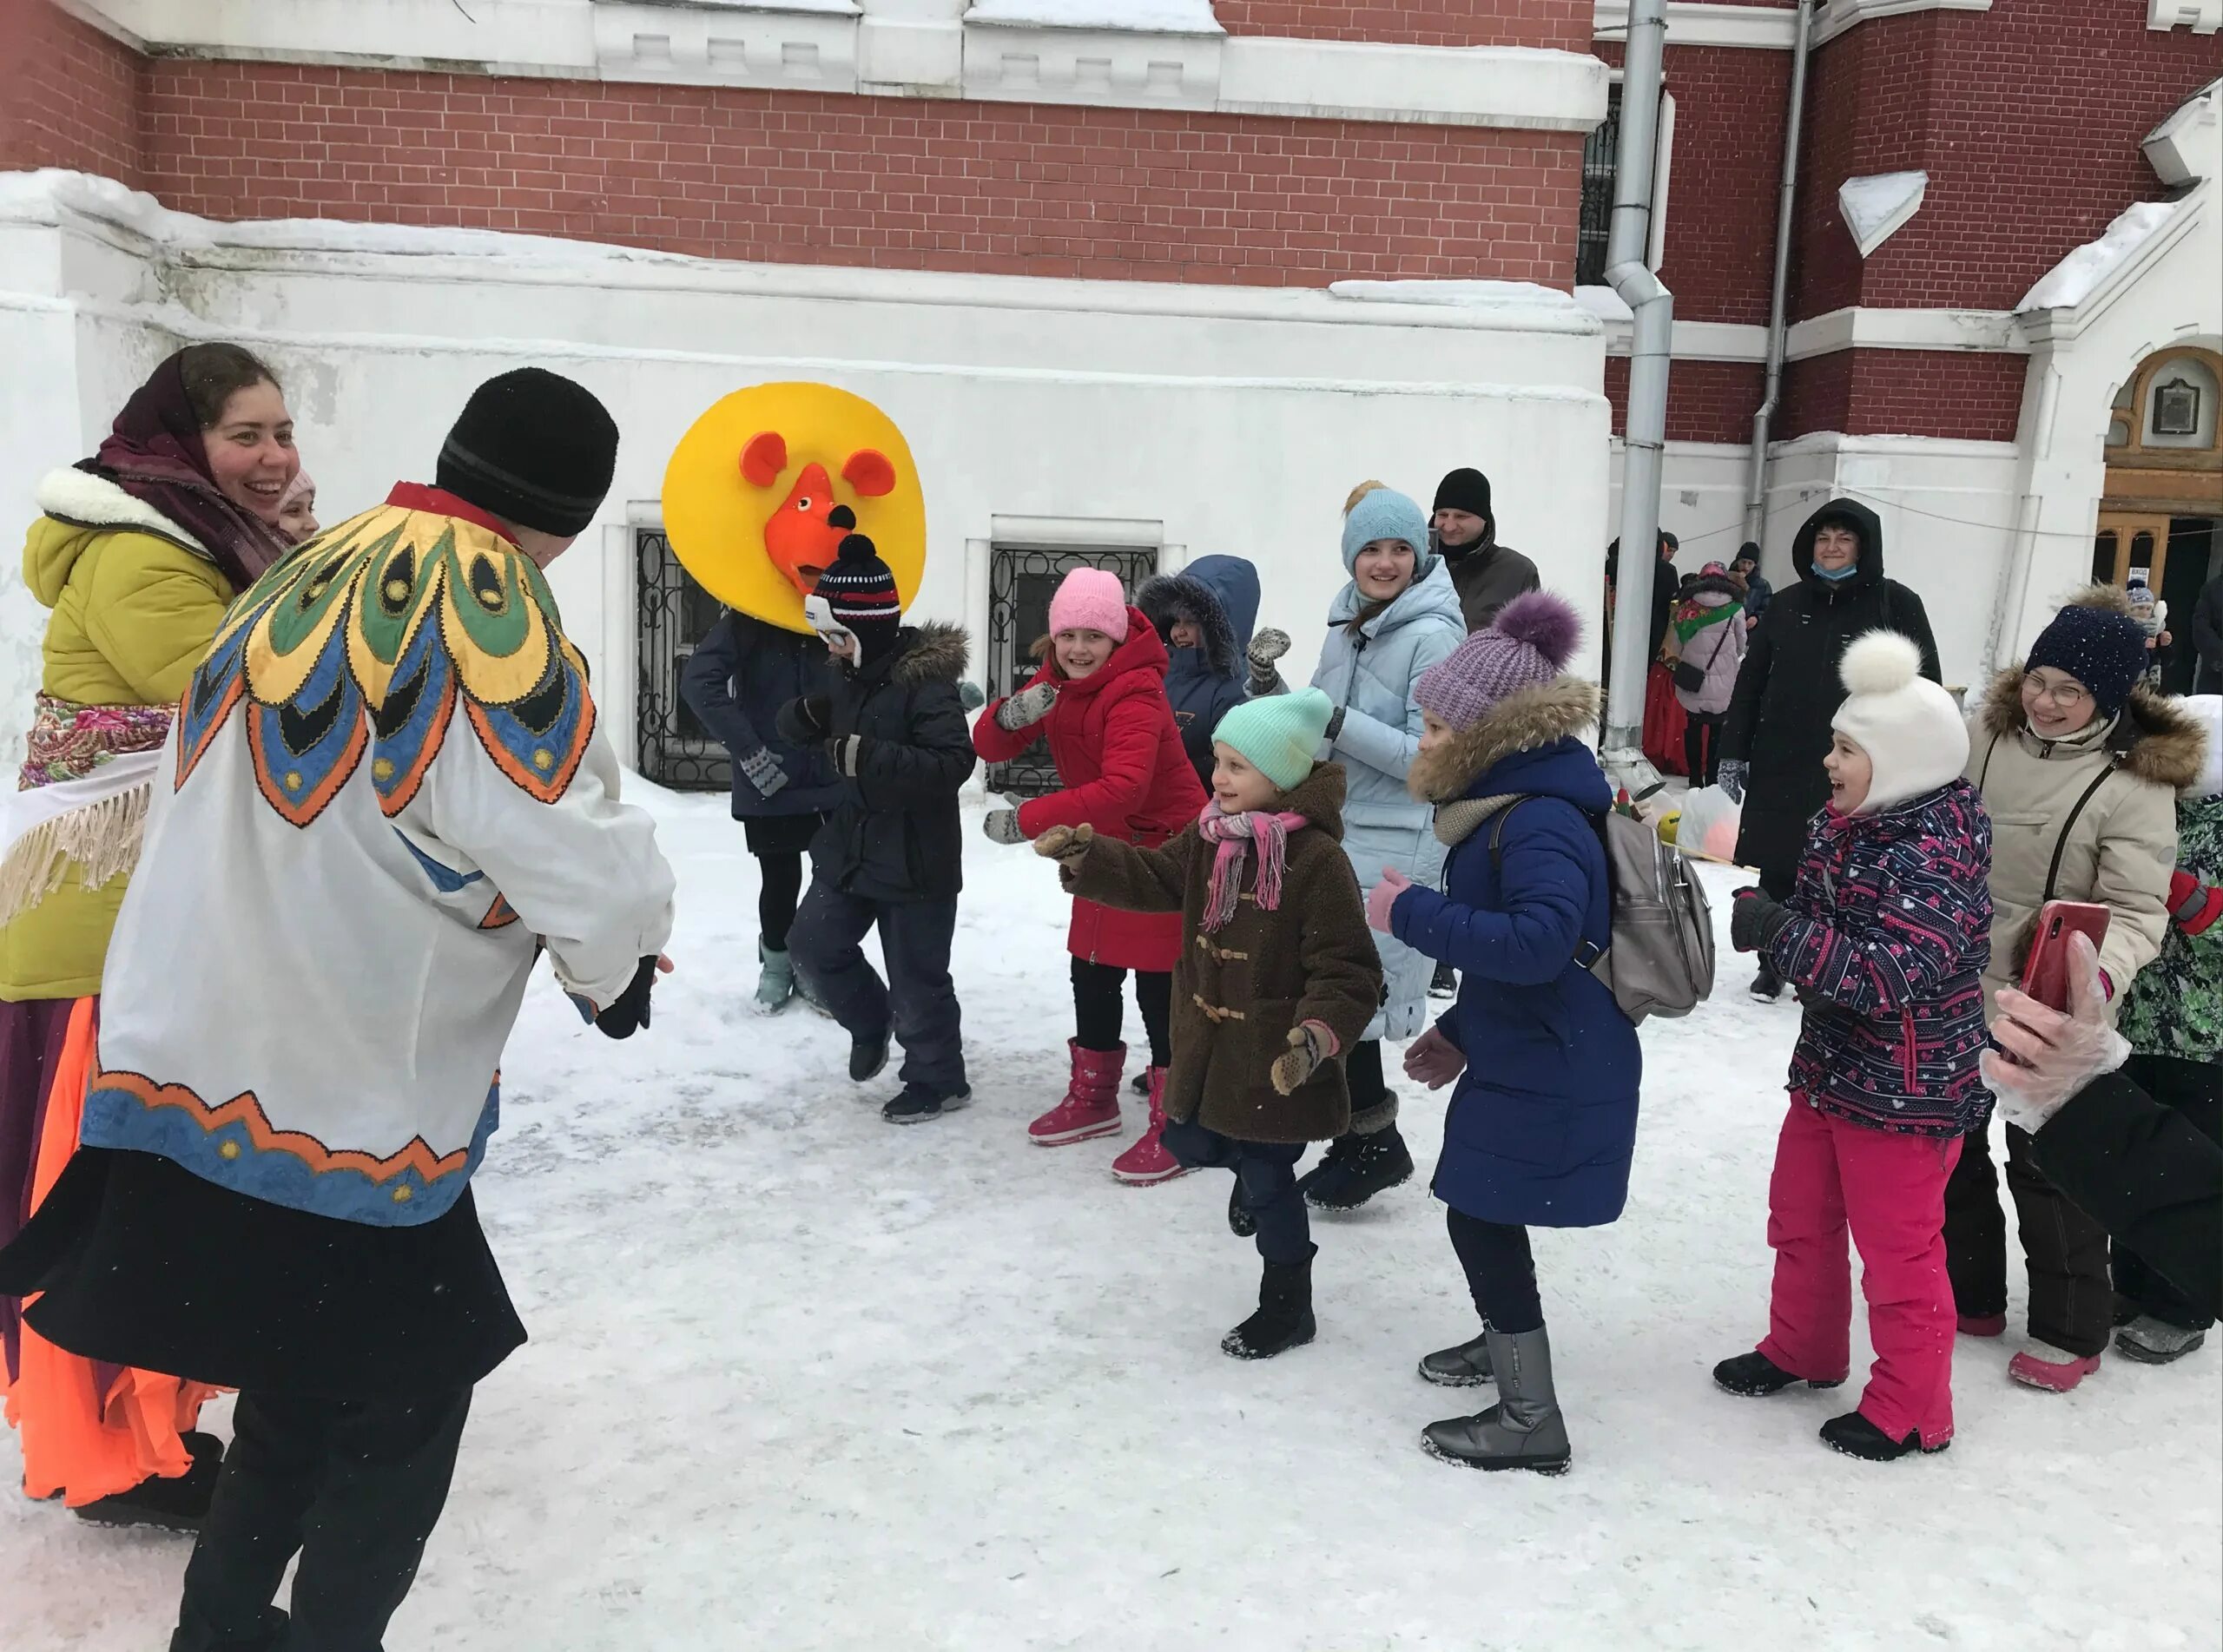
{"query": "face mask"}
[(1836, 575)]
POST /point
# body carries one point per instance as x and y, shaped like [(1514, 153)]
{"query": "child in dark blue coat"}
[(1205, 614), (1542, 1123)]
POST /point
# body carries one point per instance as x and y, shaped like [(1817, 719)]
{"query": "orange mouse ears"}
[(764, 485)]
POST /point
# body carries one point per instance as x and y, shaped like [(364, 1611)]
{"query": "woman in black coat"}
[(1778, 727)]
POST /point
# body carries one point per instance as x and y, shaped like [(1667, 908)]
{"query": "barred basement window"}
[(674, 615), (1601, 156), (1021, 579)]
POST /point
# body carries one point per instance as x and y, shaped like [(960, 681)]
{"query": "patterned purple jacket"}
[(1889, 934)]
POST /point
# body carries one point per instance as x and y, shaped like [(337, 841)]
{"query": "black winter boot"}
[(919, 1102), (175, 1505), (1466, 1365), (1767, 985), (1856, 1436), (1755, 1376), (1284, 1317), (1525, 1429), (1368, 1158), (867, 1057)]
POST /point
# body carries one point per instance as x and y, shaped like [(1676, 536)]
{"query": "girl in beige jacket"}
[(2079, 763)]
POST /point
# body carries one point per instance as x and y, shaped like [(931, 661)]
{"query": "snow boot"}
[(1149, 1160), (2040, 1365), (1140, 1083), (1525, 1429), (1372, 1158), (1856, 1436), (179, 1503), (1240, 1222), (1754, 1376), (775, 984), (1982, 1324), (1446, 983), (1466, 1365), (1284, 1317), (1091, 1104), (867, 1057), (1767, 985), (2156, 1342), (919, 1103)]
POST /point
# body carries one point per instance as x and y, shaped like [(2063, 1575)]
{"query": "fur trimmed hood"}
[(939, 653), (2155, 738), (92, 505), (1521, 722)]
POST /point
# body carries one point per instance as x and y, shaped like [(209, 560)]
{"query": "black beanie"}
[(1464, 490), (2104, 650), (534, 449), (1747, 552), (862, 592)]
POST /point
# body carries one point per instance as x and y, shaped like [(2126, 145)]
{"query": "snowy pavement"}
[(800, 1379)]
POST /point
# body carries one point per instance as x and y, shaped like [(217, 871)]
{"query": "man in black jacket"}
[(1778, 727), (2207, 638), (1485, 574), (891, 853)]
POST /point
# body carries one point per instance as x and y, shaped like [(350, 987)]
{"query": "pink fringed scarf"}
[(1232, 832)]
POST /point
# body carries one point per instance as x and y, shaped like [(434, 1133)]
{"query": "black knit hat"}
[(1747, 552), (1464, 490), (862, 592), (534, 449), (2102, 650)]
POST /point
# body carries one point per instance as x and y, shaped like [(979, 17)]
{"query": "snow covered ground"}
[(800, 1379)]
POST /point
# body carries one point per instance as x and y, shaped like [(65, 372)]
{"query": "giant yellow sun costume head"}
[(763, 487)]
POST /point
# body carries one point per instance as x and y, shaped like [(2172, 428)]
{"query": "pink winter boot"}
[(1091, 1104), (1148, 1160)]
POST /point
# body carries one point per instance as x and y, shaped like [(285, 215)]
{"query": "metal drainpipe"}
[(1756, 501), (1653, 308)]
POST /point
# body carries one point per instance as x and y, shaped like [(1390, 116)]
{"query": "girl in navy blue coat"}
[(1542, 1123)]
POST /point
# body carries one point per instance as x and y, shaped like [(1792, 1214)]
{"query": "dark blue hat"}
[(2101, 648)]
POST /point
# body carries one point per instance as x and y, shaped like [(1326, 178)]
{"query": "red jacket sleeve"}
[(1133, 728)]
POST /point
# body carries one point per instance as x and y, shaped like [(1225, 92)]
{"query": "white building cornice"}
[(1835, 16), (1706, 23)]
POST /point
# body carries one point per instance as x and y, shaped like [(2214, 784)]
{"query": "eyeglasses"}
[(2067, 696)]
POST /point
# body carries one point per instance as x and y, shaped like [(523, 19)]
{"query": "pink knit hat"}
[(1530, 642), (1090, 599)]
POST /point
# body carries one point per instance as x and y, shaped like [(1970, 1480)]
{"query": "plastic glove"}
[(1756, 919), (1308, 1048), (630, 1013), (1729, 777), (1434, 1061), (2194, 906), (804, 722), (764, 773), (2050, 1057), (1002, 826), (1065, 843), (1026, 707), (1383, 896)]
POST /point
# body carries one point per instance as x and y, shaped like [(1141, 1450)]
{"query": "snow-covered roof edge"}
[(2175, 149), (1875, 209), (1140, 17), (2096, 264), (1505, 297)]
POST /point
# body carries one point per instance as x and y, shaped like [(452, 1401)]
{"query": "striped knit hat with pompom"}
[(1908, 726), (1529, 643), (862, 592)]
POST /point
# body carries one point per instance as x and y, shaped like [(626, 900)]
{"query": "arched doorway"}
[(2161, 517)]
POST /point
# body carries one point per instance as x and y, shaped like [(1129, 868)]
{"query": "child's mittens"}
[(1756, 919), (1434, 1061), (1066, 845), (764, 773), (1026, 708), (1310, 1043), (1002, 826), (1382, 897), (803, 722), (2194, 906), (1267, 647)]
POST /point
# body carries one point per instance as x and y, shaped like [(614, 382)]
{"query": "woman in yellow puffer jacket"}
[(139, 551)]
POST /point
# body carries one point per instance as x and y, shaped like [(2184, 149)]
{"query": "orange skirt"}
[(87, 1431)]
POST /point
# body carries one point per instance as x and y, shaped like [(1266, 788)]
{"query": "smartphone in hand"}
[(2046, 972)]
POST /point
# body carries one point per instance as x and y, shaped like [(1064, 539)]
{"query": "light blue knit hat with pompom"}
[(1278, 733), (1386, 514)]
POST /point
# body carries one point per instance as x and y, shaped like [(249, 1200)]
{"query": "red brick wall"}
[(2028, 119), (67, 93), (891, 183), (1904, 392), (1707, 401), (1718, 258), (1563, 24)]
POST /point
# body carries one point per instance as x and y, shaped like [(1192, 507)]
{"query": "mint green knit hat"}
[(1279, 734)]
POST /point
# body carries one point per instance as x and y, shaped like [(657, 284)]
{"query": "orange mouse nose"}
[(803, 535)]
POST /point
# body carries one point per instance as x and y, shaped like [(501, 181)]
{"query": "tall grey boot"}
[(1524, 1430), (776, 985)]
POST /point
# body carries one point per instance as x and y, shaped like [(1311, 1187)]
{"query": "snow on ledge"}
[(1603, 302), (1874, 207), (1141, 17), (2079, 275), (1465, 295)]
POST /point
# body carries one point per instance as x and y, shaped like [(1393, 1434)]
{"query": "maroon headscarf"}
[(155, 454)]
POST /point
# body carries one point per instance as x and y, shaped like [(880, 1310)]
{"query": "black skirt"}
[(143, 1263), (779, 835)]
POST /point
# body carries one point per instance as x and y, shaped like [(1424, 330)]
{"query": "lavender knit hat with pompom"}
[(1529, 643)]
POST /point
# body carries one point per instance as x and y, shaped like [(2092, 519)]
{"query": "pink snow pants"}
[(1891, 1187)]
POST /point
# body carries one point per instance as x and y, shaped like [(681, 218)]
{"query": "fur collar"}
[(84, 500), (1519, 722), (939, 653), (2154, 739), (1319, 797)]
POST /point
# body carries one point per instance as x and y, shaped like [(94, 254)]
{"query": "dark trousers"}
[(1363, 1071), (2195, 1089), (1501, 1271), (917, 1002), (1265, 1178), (354, 1486), (2072, 1303), (778, 896), (1702, 746), (1099, 1017)]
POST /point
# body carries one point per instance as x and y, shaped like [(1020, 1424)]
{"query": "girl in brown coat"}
[(1277, 978)]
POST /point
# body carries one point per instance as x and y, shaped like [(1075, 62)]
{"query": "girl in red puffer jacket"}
[(1100, 697)]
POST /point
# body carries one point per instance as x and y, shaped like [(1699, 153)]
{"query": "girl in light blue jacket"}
[(1398, 616)]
